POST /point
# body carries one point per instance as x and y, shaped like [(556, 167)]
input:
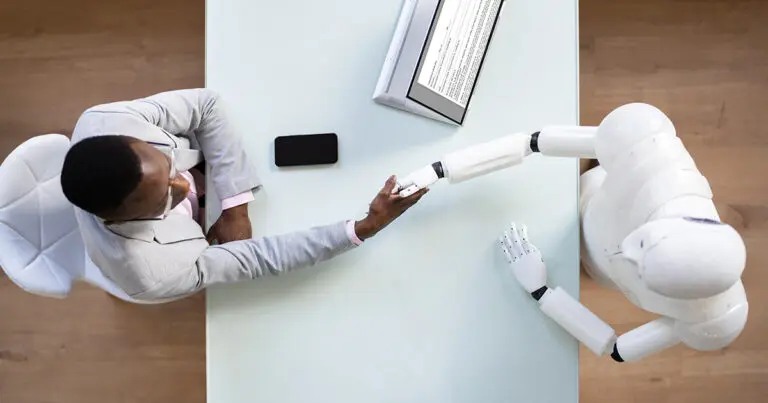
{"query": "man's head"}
[(120, 178)]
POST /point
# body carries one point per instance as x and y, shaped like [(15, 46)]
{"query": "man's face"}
[(150, 198)]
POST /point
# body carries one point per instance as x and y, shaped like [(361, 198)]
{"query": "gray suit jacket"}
[(157, 260)]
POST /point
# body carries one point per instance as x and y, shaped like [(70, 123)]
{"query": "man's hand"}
[(524, 258), (233, 225), (385, 208)]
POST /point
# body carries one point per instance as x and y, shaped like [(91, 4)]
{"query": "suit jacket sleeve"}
[(195, 113), (255, 258), (244, 260)]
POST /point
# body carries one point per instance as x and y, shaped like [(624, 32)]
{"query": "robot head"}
[(686, 258), (626, 126)]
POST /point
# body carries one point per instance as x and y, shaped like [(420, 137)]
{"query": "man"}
[(131, 174)]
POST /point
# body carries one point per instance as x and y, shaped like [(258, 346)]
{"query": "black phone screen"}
[(306, 149)]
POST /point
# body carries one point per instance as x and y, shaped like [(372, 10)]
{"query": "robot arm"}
[(565, 141), (462, 165), (529, 269), (645, 340)]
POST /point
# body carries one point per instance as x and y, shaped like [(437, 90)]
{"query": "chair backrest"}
[(41, 249)]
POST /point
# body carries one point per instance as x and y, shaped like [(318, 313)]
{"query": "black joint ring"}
[(539, 293), (535, 142), (615, 354), (438, 167)]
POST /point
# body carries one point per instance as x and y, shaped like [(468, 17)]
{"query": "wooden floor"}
[(704, 62), (57, 57)]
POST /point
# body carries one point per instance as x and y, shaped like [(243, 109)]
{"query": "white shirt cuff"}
[(236, 200), (351, 233)]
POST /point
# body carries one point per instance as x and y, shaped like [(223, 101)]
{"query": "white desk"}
[(425, 311)]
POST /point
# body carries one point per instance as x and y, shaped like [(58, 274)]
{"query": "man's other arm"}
[(189, 112)]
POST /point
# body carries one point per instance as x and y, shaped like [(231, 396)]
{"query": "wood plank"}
[(56, 59), (704, 63)]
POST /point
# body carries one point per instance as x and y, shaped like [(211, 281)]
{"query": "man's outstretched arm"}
[(254, 258), (274, 255)]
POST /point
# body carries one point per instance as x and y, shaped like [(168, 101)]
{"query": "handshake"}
[(387, 206), (418, 180)]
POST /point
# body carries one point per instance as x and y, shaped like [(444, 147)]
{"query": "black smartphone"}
[(306, 149)]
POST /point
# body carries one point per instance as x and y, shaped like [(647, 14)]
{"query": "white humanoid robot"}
[(649, 230)]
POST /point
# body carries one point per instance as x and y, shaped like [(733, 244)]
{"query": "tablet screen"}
[(453, 55)]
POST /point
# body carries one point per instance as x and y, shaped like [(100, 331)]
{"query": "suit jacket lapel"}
[(141, 230), (172, 229)]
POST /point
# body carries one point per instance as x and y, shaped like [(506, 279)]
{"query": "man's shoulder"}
[(173, 230), (98, 121), (135, 258)]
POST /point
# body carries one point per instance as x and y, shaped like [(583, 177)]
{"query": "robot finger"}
[(515, 232), (401, 184), (524, 240), (512, 240), (409, 191), (510, 257)]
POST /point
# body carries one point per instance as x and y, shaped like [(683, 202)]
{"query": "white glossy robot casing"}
[(649, 230)]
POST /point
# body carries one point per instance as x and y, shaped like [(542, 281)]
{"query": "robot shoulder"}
[(715, 333)]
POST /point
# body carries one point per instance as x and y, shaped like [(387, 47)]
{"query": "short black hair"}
[(100, 172)]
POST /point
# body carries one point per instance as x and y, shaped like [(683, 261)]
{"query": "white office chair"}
[(41, 249)]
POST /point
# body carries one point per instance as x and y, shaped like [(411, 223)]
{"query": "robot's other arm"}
[(599, 337), (645, 340), (529, 269)]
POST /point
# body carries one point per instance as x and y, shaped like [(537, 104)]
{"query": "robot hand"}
[(524, 258), (417, 180)]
